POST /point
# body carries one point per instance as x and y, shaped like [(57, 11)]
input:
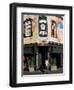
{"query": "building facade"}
[(42, 44)]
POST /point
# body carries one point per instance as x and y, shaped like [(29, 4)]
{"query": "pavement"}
[(44, 72)]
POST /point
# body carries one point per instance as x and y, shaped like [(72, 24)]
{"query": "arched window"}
[(53, 29), (27, 27)]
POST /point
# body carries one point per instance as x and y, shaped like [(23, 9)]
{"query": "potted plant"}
[(31, 65), (53, 64)]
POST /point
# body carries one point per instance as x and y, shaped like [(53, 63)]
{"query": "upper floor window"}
[(28, 27), (53, 29), (60, 23)]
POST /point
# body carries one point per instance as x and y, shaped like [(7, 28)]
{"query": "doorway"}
[(43, 55)]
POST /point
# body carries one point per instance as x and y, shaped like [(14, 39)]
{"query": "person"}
[(46, 63)]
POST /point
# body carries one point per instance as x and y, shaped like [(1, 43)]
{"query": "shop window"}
[(29, 63)]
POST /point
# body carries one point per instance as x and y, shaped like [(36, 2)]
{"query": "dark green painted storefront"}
[(53, 52)]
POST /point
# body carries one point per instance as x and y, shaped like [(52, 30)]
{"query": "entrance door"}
[(43, 53)]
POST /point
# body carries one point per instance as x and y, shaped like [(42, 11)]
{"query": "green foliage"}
[(31, 62)]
